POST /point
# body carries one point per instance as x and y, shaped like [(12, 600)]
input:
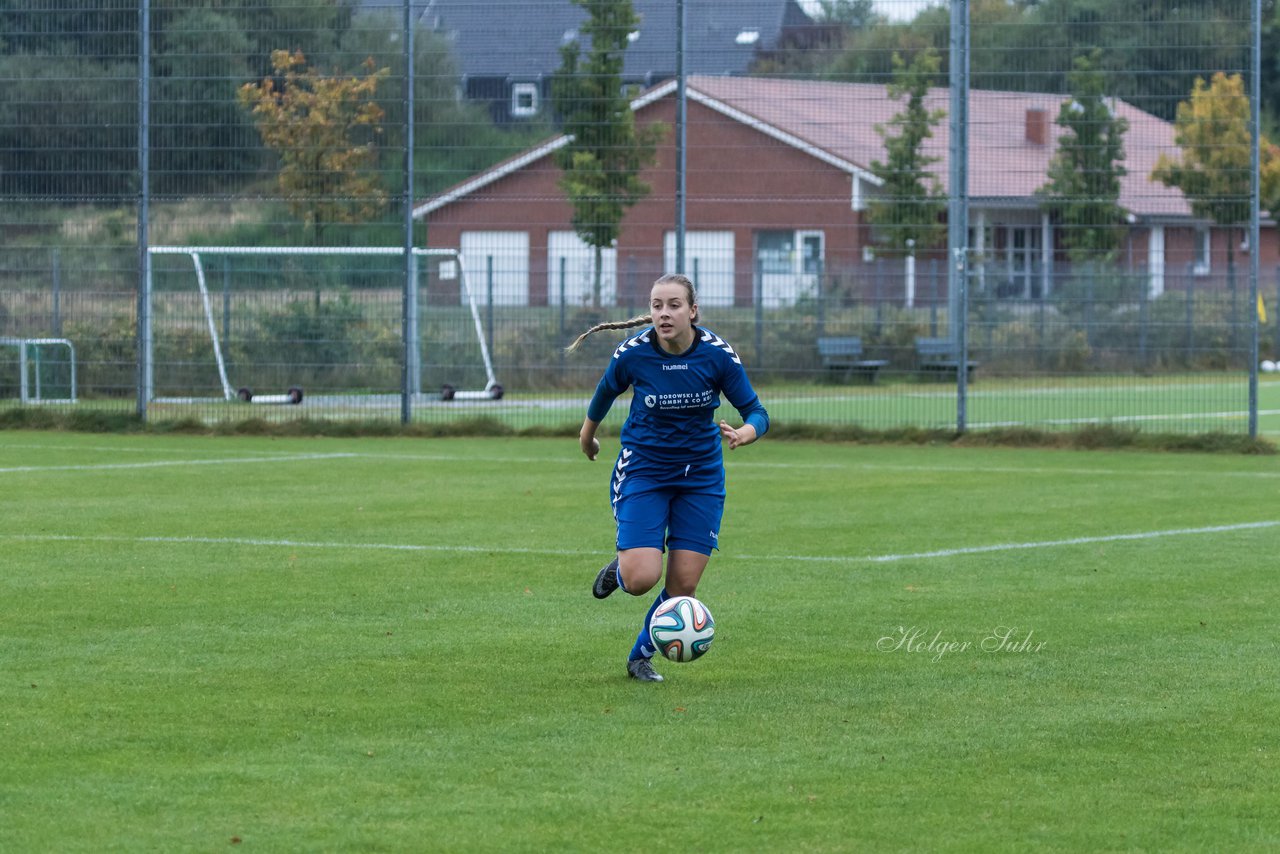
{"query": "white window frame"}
[(1202, 238), (519, 89), (1021, 261), (784, 287)]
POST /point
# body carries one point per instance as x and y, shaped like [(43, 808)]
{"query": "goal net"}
[(261, 324)]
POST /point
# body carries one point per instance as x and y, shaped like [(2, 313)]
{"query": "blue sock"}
[(644, 647)]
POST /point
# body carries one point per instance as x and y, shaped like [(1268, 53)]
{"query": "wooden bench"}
[(939, 357), (845, 355)]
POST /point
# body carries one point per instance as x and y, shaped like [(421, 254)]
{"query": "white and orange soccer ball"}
[(682, 628)]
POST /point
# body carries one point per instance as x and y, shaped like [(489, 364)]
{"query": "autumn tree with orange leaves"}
[(323, 128)]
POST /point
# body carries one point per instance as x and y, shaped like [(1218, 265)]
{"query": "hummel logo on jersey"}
[(716, 341)]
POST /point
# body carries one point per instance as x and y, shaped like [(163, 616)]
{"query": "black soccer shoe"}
[(606, 580), (642, 669)]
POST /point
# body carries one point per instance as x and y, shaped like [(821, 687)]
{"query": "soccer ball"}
[(1268, 366), (682, 628)]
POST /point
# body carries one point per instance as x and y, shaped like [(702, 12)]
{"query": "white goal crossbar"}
[(492, 389)]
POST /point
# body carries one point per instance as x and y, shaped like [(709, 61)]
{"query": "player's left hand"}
[(739, 436)]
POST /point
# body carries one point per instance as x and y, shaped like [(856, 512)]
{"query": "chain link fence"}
[(406, 211)]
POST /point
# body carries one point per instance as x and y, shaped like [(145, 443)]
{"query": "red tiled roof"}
[(837, 122), (840, 118)]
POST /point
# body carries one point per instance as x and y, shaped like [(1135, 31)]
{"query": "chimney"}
[(1037, 125)]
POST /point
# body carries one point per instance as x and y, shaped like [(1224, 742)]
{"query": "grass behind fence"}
[(389, 645)]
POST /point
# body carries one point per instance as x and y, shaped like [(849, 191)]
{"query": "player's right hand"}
[(590, 447)]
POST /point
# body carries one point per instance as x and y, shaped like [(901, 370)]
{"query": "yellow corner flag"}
[(1262, 310)]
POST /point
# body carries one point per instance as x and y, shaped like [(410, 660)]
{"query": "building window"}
[(1203, 251), (1022, 262), (775, 251), (789, 265), (708, 260), (524, 99)]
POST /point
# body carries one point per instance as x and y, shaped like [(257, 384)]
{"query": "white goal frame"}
[(492, 389), (33, 392)]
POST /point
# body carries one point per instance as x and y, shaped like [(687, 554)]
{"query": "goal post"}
[(46, 369), (199, 255)]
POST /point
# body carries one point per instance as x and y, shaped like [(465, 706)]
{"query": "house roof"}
[(522, 40), (836, 123), (841, 118)]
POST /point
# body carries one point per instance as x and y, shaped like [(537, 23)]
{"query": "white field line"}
[(228, 461), (735, 463), (114, 449), (254, 542), (573, 459), (1074, 541), (1122, 419), (463, 549)]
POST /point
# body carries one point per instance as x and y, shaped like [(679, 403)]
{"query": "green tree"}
[(69, 129), (198, 129), (322, 127), (1214, 171), (848, 13), (1083, 190), (607, 151), (907, 212), (68, 121)]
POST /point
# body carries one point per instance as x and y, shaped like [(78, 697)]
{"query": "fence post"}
[(822, 297), (56, 320), (488, 270), (632, 278), (563, 330), (876, 295), (1275, 347), (933, 303), (413, 329), (759, 311), (1234, 321), (1190, 278), (226, 299), (1042, 357), (1144, 319)]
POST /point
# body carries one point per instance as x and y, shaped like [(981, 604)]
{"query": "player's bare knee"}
[(638, 577)]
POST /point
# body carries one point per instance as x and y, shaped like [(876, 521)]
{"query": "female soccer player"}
[(667, 487)]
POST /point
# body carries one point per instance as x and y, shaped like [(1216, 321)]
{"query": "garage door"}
[(708, 261), (496, 264), (571, 271)]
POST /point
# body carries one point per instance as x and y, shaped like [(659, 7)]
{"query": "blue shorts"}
[(666, 506)]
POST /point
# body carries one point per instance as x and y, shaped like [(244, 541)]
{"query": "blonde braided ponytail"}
[(641, 319), (638, 320)]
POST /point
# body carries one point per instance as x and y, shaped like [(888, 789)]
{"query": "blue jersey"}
[(674, 397)]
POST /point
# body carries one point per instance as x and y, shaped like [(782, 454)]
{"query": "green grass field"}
[(390, 645)]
